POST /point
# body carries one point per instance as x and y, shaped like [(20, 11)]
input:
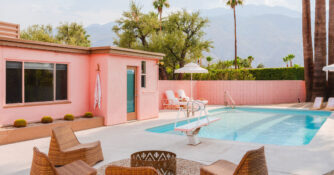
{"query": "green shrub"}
[(47, 119), (88, 115), (20, 123), (69, 117)]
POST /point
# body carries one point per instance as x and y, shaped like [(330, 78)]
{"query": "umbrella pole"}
[(191, 86)]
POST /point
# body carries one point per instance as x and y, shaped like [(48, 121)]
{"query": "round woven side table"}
[(163, 161)]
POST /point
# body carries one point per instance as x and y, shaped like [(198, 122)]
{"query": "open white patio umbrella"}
[(329, 68), (191, 68)]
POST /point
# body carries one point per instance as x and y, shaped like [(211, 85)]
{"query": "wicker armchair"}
[(118, 170), (65, 148), (41, 165), (253, 163)]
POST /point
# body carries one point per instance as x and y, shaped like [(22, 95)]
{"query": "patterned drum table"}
[(163, 161)]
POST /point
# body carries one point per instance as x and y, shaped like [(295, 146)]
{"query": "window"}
[(42, 82), (38, 82), (61, 82), (143, 74), (13, 82)]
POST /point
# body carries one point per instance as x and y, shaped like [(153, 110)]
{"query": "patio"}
[(119, 141)]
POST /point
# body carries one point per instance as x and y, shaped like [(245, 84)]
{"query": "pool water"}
[(259, 125)]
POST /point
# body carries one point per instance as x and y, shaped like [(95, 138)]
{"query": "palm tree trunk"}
[(331, 48), (162, 72), (319, 81), (235, 39), (307, 48), (160, 18)]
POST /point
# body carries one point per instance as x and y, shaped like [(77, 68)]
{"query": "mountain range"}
[(266, 33)]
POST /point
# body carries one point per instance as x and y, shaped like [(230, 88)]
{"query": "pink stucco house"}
[(39, 79)]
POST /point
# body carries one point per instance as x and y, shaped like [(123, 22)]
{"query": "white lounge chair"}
[(171, 101), (330, 104), (182, 95), (317, 105)]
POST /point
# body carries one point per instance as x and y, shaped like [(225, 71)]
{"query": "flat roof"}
[(13, 42)]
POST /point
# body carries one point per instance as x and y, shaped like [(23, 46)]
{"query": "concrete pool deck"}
[(119, 141)]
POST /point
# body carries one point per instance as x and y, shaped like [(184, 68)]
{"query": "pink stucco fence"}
[(243, 92)]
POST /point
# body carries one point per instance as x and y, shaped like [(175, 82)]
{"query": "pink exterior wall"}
[(243, 92), (78, 85), (81, 85), (114, 83)]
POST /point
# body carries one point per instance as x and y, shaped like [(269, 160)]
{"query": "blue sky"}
[(28, 12)]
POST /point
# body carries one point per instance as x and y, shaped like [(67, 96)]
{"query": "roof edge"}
[(12, 42), (126, 51)]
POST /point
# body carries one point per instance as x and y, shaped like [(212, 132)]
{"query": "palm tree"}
[(159, 5), (290, 58), (286, 60), (250, 60), (319, 81), (233, 4), (209, 59), (331, 48), (308, 48)]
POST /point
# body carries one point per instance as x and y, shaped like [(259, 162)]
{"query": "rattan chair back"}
[(41, 164), (65, 137), (118, 170), (253, 163)]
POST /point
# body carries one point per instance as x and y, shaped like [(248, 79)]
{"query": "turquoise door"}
[(131, 93)]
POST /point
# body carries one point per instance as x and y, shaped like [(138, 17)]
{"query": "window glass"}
[(143, 67), (143, 81), (13, 82), (61, 82), (38, 82), (143, 72)]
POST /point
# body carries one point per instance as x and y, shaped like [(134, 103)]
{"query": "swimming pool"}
[(259, 125)]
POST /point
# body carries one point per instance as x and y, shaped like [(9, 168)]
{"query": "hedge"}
[(278, 73), (251, 74)]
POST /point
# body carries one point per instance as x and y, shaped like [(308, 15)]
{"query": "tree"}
[(159, 5), (209, 59), (39, 33), (182, 39), (223, 64), (233, 4), (250, 60), (134, 28), (307, 48), (290, 57), (286, 60), (319, 76), (73, 34), (260, 66), (331, 48)]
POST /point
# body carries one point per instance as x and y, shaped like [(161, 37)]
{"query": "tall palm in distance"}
[(286, 60), (233, 4), (159, 5), (250, 60), (290, 58)]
